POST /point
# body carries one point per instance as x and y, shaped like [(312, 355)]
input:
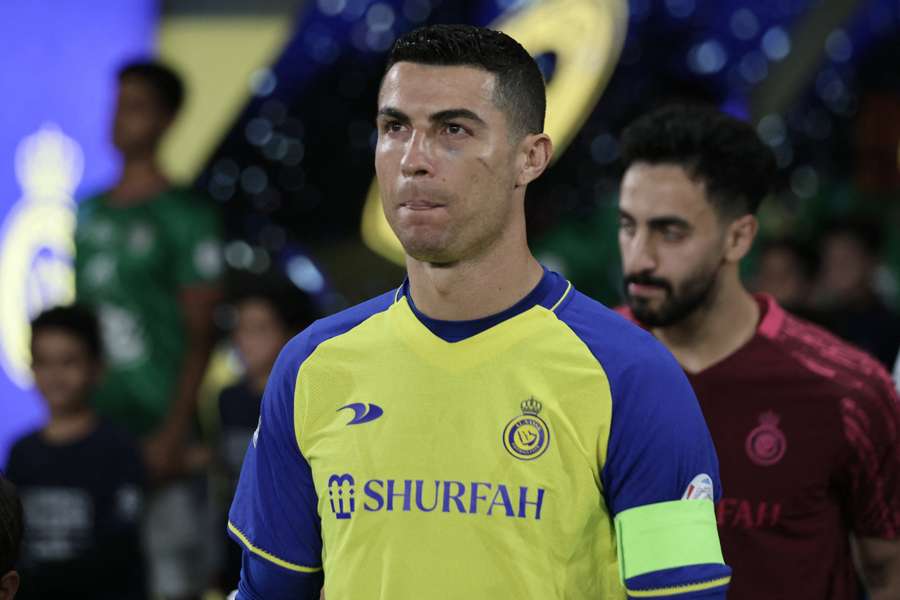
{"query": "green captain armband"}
[(667, 535)]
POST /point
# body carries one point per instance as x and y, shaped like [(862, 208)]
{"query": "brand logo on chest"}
[(766, 444)]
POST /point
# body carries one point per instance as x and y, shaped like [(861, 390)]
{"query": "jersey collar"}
[(550, 292)]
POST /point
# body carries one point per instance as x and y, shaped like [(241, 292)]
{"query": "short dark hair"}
[(520, 90), (77, 320), (12, 526), (804, 256), (164, 81), (724, 153), (293, 307), (863, 230)]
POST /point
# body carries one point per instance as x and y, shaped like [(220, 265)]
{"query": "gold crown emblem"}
[(531, 406)]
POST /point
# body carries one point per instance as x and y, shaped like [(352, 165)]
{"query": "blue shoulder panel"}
[(658, 441), (274, 514)]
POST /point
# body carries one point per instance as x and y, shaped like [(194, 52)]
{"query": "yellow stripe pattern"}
[(679, 589), (270, 557)]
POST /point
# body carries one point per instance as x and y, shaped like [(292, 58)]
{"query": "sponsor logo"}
[(741, 513), (417, 495), (363, 413), (766, 444), (341, 494), (700, 488), (527, 436)]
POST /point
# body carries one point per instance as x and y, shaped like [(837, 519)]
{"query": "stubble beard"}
[(693, 294)]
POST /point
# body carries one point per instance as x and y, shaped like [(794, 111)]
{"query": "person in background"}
[(268, 313), (80, 478), (807, 427), (11, 530), (148, 260), (846, 293), (786, 271)]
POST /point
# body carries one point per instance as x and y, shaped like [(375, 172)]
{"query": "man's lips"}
[(420, 205), (643, 289)]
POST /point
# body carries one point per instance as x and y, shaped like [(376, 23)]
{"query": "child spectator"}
[(79, 478), (268, 313), (11, 527)]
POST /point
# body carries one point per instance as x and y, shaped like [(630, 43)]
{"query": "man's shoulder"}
[(26, 445), (811, 348), (615, 340), (303, 344)]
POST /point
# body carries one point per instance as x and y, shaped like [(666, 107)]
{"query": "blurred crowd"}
[(123, 481)]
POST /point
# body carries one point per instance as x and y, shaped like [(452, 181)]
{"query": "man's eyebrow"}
[(393, 113), (456, 113), (659, 222), (667, 221)]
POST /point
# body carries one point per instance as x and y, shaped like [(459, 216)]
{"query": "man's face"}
[(259, 336), (847, 269), (140, 119), (64, 370), (445, 161), (671, 241)]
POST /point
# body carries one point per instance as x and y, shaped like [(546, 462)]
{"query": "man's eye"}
[(626, 226), (673, 234), (455, 129), (392, 126)]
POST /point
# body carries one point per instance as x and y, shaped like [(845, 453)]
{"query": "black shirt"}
[(83, 502)]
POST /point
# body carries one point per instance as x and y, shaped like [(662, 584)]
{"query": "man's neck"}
[(141, 179), (70, 427), (715, 331), (475, 288)]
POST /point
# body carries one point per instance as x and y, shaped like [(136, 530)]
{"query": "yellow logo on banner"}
[(586, 36), (36, 242)]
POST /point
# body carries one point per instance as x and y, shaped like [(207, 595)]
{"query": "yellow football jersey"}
[(414, 458)]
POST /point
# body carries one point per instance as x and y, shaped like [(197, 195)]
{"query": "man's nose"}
[(417, 159), (640, 255)]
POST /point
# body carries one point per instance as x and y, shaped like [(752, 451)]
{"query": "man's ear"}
[(739, 237), (535, 151), (9, 585)]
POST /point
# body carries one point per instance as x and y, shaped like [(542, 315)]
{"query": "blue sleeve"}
[(659, 442), (274, 515), (261, 580), (659, 456)]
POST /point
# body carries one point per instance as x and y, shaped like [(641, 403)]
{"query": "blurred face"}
[(259, 336), (846, 272), (445, 161), (65, 373), (140, 118), (781, 275), (672, 243)]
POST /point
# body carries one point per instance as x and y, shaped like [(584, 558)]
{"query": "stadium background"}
[(278, 128)]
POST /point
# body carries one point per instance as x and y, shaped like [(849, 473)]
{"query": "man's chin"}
[(645, 314)]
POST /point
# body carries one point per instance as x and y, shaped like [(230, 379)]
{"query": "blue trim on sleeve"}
[(658, 440), (658, 582), (546, 293)]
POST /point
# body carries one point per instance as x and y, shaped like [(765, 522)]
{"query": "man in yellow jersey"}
[(484, 430)]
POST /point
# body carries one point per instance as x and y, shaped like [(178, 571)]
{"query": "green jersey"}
[(130, 264)]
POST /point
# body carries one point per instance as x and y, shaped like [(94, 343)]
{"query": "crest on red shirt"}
[(766, 444)]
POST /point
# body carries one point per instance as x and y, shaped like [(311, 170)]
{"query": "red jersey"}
[(806, 428)]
